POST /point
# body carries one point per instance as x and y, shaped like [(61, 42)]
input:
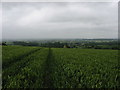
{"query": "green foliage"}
[(26, 73), (85, 68), (35, 67), (11, 54)]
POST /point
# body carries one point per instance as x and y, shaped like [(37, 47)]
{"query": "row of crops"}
[(36, 67), (85, 68)]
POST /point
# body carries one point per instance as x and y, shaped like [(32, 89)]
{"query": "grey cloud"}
[(59, 20)]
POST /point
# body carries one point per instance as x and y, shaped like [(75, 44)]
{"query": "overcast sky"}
[(59, 20)]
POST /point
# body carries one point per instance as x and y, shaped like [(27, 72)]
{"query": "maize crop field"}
[(38, 67)]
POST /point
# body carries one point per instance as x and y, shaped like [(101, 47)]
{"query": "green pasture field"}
[(37, 67)]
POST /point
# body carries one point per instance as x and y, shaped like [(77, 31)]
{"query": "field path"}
[(15, 67), (19, 58), (48, 82)]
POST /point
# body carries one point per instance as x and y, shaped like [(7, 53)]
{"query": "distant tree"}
[(4, 44), (25, 43)]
